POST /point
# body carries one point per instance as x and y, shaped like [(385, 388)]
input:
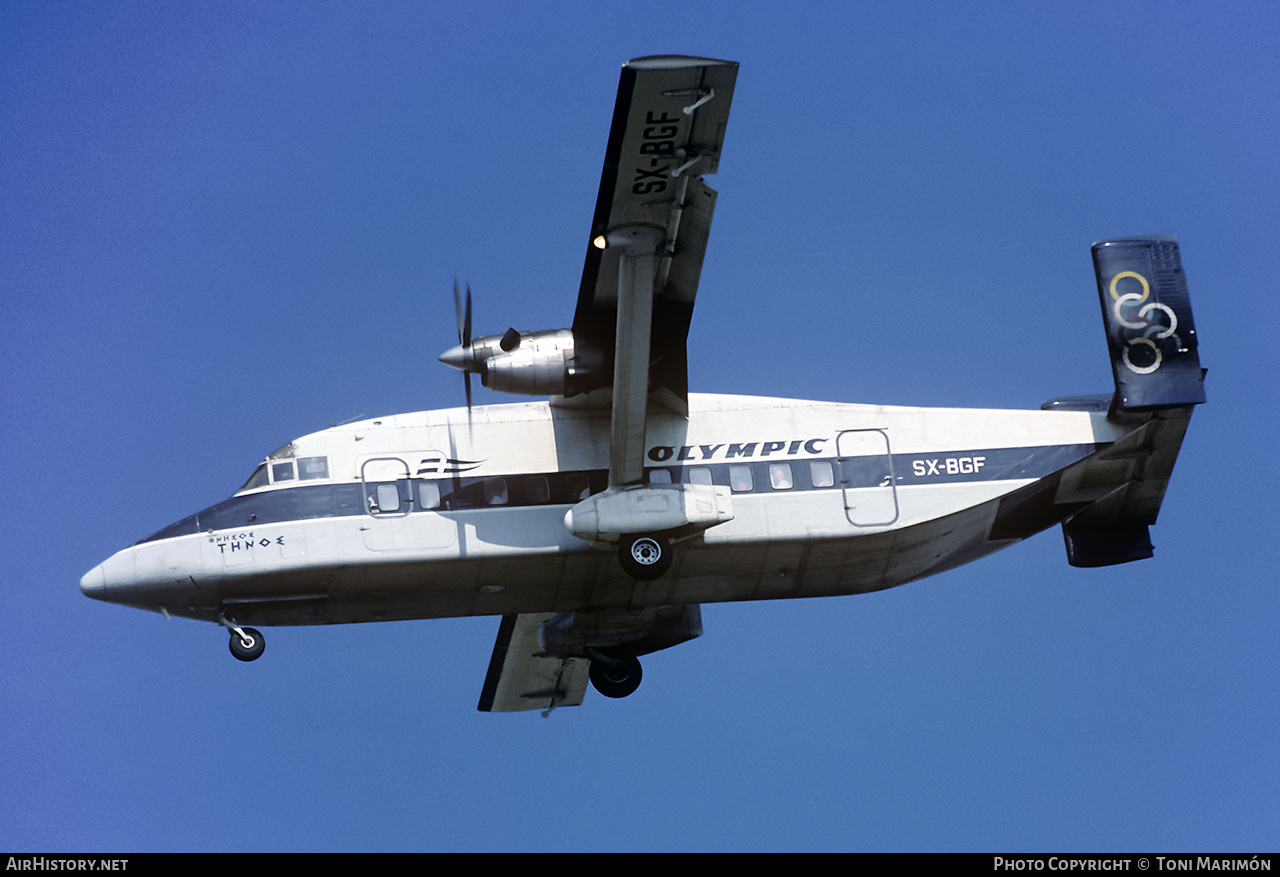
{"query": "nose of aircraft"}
[(94, 583)]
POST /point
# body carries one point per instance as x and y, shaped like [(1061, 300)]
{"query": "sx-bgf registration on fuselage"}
[(596, 523)]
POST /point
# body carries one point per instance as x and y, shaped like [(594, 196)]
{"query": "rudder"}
[(1147, 313)]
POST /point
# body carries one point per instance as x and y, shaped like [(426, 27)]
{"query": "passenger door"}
[(389, 501), (866, 476)]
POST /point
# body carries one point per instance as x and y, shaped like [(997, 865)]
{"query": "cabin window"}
[(538, 488), (740, 478), (313, 468), (428, 495), (388, 498), (659, 476), (282, 472), (780, 476), (495, 491), (699, 475), (257, 479), (821, 473), (579, 487)]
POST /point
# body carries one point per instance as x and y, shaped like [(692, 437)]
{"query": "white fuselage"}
[(435, 514)]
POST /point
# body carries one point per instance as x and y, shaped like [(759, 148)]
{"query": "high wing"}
[(648, 238)]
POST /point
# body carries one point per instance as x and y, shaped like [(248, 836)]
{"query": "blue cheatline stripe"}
[(304, 502), (992, 464)]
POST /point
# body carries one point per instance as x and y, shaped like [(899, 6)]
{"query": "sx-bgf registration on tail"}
[(596, 523)]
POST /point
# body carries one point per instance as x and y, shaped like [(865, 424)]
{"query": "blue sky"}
[(223, 226)]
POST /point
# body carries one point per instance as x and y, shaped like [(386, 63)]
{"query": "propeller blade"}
[(461, 356), (466, 376), (466, 327), (457, 308), (464, 316), (510, 341)]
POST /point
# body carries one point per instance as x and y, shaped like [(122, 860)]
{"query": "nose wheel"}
[(246, 643)]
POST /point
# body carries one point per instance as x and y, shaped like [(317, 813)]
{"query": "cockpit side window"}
[(281, 472), (313, 468)]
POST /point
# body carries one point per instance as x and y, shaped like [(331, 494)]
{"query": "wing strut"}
[(638, 247)]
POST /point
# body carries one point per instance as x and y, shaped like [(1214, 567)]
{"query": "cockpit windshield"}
[(257, 479), (308, 469)]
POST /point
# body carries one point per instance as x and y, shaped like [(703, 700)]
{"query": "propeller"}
[(464, 340), (466, 358)]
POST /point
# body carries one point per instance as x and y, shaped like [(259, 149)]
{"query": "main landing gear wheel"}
[(248, 647), (615, 678), (645, 557)]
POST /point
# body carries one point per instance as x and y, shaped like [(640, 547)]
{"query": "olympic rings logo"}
[(1146, 350)]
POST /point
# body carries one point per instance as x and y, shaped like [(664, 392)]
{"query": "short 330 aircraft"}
[(596, 524)]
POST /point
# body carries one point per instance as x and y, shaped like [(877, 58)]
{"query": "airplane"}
[(596, 522)]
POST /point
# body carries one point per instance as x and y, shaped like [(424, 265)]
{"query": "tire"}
[(645, 557), (248, 653), (616, 678)]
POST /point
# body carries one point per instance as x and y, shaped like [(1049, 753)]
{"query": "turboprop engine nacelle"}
[(538, 365), (544, 363)]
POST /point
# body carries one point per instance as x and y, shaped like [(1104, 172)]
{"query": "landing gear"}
[(645, 557), (615, 677), (247, 644)]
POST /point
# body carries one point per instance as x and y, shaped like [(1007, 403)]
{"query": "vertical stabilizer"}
[(1147, 313)]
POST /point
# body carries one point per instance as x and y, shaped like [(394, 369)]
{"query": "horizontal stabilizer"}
[(1150, 332), (524, 677), (1106, 546)]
